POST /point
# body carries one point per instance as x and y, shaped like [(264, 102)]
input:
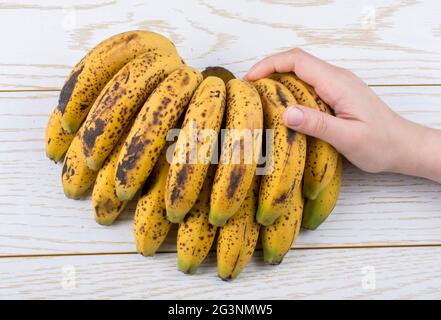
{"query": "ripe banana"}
[(193, 150), (76, 176), (238, 237), (286, 155), (106, 205), (240, 151), (316, 211), (148, 133), (321, 159), (278, 238), (57, 139), (91, 74), (150, 224), (220, 72), (119, 102), (196, 234)]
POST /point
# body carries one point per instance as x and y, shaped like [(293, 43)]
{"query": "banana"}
[(57, 139), (148, 133), (150, 224), (220, 72), (106, 205), (119, 102), (240, 150), (195, 234), (321, 159), (286, 156), (238, 237), (91, 74), (192, 158), (278, 238), (316, 211), (76, 176)]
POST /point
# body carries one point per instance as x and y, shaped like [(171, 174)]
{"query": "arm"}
[(365, 130)]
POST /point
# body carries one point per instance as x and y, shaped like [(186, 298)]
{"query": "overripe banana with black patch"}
[(76, 177), (120, 101), (286, 155), (148, 133), (150, 224), (316, 211), (195, 233), (321, 159), (240, 151), (238, 237), (57, 139), (91, 74), (278, 238), (106, 205), (194, 148)]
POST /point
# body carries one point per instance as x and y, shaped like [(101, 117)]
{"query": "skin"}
[(365, 130)]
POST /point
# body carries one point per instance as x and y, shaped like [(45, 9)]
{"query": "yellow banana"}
[(119, 102), (278, 238), (240, 151), (195, 233), (238, 237), (219, 72), (150, 224), (148, 133), (57, 139), (192, 158), (106, 205), (286, 156), (321, 159), (76, 176), (91, 74), (316, 211)]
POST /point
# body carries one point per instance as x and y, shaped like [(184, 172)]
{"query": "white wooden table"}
[(384, 237)]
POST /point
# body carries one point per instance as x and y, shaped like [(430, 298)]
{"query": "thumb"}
[(316, 124)]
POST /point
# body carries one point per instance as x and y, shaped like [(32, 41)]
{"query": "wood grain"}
[(384, 42), (389, 273), (36, 218)]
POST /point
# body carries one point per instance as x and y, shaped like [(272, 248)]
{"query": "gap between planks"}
[(370, 85), (374, 246)]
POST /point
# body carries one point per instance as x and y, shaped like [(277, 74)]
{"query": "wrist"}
[(416, 150)]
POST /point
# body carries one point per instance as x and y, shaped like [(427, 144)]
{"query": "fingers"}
[(307, 67), (318, 124)]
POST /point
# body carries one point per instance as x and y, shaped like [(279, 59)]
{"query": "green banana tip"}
[(215, 220)]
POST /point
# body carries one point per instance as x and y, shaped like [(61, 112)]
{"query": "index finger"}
[(307, 67)]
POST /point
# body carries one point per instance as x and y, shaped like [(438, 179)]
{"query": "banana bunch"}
[(220, 177)]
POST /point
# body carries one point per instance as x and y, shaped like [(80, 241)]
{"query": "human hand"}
[(365, 130)]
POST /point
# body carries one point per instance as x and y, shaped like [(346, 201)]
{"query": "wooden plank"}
[(36, 218), (388, 273), (382, 41)]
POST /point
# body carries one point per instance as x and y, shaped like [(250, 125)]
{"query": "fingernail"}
[(293, 116)]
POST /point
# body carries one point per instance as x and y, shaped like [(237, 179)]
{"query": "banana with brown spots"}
[(195, 233), (286, 156), (278, 238), (321, 158), (317, 211), (148, 134), (91, 74), (194, 150), (240, 150), (150, 224), (120, 101), (106, 205), (76, 177), (57, 139), (238, 237)]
